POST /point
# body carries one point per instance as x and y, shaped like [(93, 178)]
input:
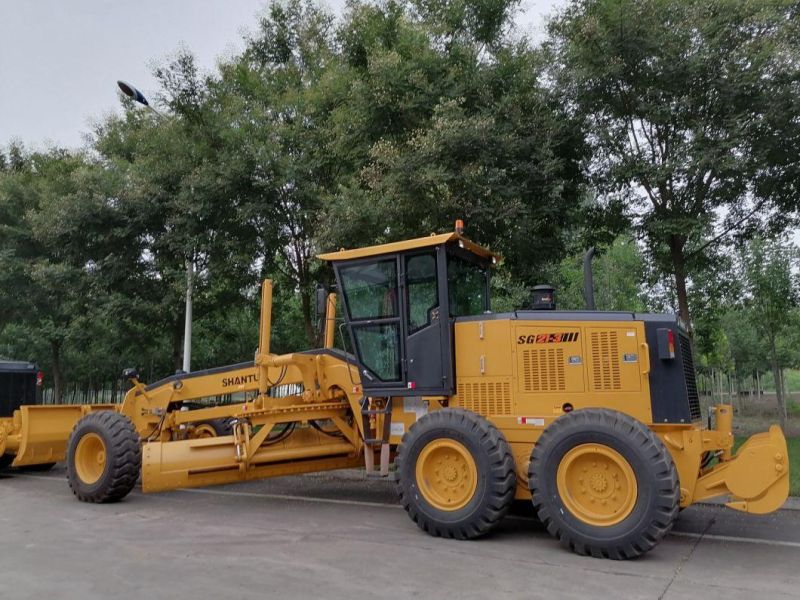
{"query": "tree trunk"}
[(58, 377), (676, 244), (731, 391), (308, 318), (777, 375), (759, 392), (787, 396), (711, 384)]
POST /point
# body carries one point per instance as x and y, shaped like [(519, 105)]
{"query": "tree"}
[(619, 276), (55, 241), (770, 269), (276, 98), (691, 108), (454, 126), (183, 194)]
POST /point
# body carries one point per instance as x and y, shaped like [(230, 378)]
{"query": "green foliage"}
[(618, 279), (772, 285), (654, 130), (388, 124), (686, 100), (53, 208)]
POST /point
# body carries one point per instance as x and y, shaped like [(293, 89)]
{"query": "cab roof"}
[(423, 242)]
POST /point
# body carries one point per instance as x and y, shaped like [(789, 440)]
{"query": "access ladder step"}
[(386, 411)]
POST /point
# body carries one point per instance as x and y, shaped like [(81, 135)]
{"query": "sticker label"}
[(397, 428), (630, 358), (416, 405), (530, 421), (575, 360), (549, 338)]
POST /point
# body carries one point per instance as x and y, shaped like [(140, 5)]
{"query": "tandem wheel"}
[(603, 484), (456, 475)]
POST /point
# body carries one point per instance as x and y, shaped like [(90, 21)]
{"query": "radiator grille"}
[(486, 397), (689, 376), (605, 360), (543, 370)]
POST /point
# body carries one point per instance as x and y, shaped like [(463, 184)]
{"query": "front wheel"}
[(456, 474), (103, 457), (604, 484)]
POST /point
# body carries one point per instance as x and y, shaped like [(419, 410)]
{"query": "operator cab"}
[(400, 302)]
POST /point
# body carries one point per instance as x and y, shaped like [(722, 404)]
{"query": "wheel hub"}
[(597, 484), (202, 431), (90, 458), (446, 474)]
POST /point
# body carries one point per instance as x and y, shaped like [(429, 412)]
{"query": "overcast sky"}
[(60, 59)]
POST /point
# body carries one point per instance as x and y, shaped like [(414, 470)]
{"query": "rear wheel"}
[(103, 457), (210, 429), (203, 430), (5, 461), (456, 474), (604, 484)]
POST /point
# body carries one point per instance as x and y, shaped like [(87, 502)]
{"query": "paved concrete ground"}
[(339, 536)]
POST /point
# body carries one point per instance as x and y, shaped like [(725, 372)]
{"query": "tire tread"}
[(501, 475), (125, 457), (667, 489)]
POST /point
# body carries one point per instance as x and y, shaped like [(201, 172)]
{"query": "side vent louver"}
[(605, 361), (543, 370), (486, 397), (689, 374)]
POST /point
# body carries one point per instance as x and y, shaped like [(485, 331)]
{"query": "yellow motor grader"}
[(595, 416)]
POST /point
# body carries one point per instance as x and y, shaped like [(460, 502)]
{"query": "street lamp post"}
[(139, 97)]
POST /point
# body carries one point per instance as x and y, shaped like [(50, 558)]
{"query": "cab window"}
[(379, 349), (371, 289), (371, 297), (423, 296), (468, 285)]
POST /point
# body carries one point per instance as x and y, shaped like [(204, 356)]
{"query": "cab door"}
[(398, 318), (427, 345)]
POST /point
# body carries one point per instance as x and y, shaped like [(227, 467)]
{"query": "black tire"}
[(658, 491), (41, 468), (123, 457), (5, 461), (496, 478), (221, 426)]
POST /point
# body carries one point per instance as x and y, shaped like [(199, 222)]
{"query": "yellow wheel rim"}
[(446, 474), (203, 430), (90, 458), (597, 484)]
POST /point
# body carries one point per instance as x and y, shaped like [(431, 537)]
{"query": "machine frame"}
[(323, 409)]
